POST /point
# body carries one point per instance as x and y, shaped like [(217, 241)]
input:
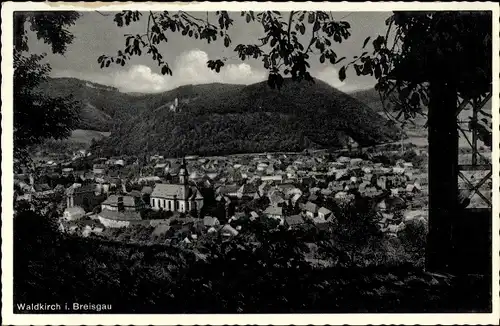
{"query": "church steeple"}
[(183, 173)]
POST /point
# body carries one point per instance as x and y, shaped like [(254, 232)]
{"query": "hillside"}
[(416, 131), (102, 106), (224, 118), (219, 119), (369, 97)]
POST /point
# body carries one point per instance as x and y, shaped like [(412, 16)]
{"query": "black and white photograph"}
[(210, 160)]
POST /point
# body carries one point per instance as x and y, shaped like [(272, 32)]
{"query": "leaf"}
[(311, 17), (342, 74), (302, 29), (343, 58), (164, 70), (316, 26), (404, 93), (378, 71), (248, 18), (366, 41), (322, 58), (226, 42)]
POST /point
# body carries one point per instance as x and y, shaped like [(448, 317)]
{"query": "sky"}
[(96, 34)]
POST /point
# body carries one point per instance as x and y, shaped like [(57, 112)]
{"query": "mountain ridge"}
[(219, 118)]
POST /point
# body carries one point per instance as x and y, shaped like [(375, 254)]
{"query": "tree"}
[(36, 116), (433, 59)]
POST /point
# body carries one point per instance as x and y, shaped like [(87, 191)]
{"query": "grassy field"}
[(85, 136)]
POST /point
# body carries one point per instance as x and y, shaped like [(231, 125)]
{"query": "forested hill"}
[(223, 118), (101, 107)]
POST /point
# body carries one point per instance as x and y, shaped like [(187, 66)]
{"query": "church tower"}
[(183, 173)]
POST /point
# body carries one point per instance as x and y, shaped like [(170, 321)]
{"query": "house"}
[(272, 178), (324, 213), (276, 197), (362, 187), (382, 182), (66, 171), (147, 190), (135, 193), (228, 191), (410, 188), (262, 166), (341, 195), (398, 170), (247, 190), (160, 230), (161, 168), (320, 222), (99, 169), (253, 215), (118, 219), (84, 196), (408, 165), (209, 221), (371, 191), (294, 221), (295, 198), (43, 190), (311, 209), (274, 212), (177, 197), (326, 192), (264, 188), (122, 203), (73, 213), (395, 203), (312, 197), (228, 231), (356, 161)]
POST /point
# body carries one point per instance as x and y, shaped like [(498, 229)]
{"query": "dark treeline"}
[(259, 271)]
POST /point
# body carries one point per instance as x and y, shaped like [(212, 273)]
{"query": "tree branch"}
[(102, 14), (290, 20), (313, 34)]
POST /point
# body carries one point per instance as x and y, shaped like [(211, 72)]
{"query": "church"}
[(177, 197)]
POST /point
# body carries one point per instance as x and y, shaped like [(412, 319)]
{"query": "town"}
[(183, 199)]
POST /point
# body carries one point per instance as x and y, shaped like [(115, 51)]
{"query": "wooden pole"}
[(443, 173), (475, 108)]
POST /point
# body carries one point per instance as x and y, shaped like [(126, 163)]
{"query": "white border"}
[(355, 319)]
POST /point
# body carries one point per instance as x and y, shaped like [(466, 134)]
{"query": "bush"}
[(414, 238)]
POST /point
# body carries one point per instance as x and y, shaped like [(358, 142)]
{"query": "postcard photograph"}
[(311, 163)]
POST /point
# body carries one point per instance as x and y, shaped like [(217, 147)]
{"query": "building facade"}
[(179, 197)]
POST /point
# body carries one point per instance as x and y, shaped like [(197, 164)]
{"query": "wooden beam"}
[(483, 102), (475, 188), (462, 105), (477, 167), (474, 132)]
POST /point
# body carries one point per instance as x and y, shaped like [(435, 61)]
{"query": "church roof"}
[(112, 200), (163, 190)]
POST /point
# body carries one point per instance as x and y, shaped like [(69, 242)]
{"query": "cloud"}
[(330, 75), (189, 68)]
